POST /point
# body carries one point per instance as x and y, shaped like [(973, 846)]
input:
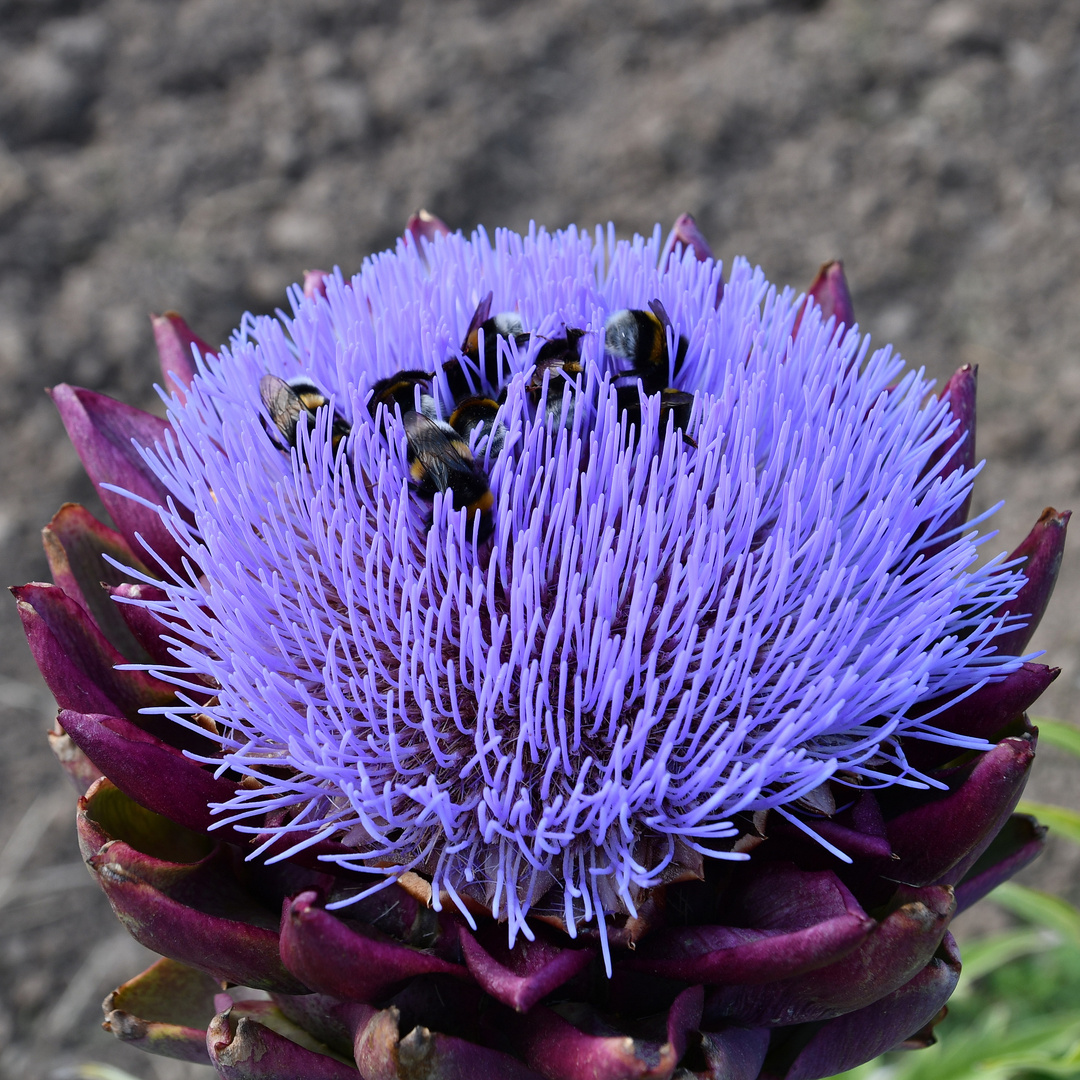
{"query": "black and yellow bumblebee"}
[(287, 400), (641, 338), (506, 324), (438, 454), (560, 360), (476, 411), (400, 389), (562, 350), (440, 460), (675, 408)]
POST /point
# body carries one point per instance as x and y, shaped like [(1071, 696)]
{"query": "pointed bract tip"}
[(179, 1001), (1050, 516), (960, 392), (1042, 548), (829, 290), (315, 283), (174, 340), (687, 233), (103, 431), (424, 225), (1046, 538), (957, 451), (965, 375)]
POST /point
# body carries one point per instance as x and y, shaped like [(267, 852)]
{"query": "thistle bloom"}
[(670, 749)]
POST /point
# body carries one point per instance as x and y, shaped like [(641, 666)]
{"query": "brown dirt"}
[(199, 154)]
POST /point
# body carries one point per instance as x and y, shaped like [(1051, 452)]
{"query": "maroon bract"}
[(829, 290), (426, 226), (175, 341)]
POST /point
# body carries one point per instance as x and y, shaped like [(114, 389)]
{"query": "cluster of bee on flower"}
[(439, 454)]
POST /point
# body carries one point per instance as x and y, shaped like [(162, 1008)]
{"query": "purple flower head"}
[(661, 624)]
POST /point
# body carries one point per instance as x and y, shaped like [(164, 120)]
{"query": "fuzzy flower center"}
[(667, 620)]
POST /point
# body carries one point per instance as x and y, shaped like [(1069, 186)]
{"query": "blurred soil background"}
[(200, 154)]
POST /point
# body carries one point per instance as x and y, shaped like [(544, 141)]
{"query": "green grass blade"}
[(1061, 819), (990, 953), (994, 1050), (1058, 733), (1045, 1046), (1040, 908)]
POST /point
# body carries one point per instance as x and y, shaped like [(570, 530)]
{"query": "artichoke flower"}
[(540, 656)]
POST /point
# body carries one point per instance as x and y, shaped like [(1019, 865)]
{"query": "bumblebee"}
[(479, 412), (287, 401), (506, 324), (438, 453), (676, 404), (440, 460), (675, 408), (641, 337), (560, 360), (565, 350), (398, 389)]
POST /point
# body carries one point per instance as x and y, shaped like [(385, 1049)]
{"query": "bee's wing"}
[(437, 444), (282, 403), (480, 316), (440, 460), (660, 312)]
